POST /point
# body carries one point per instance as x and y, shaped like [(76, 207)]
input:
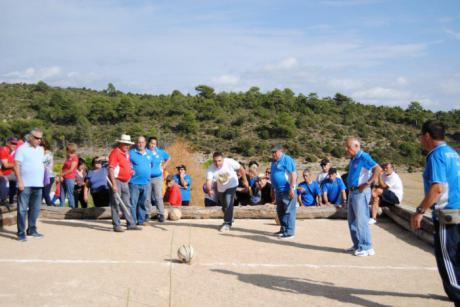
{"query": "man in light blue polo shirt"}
[(160, 160), (139, 185), (284, 179), (333, 189), (441, 180), (30, 171), (363, 171)]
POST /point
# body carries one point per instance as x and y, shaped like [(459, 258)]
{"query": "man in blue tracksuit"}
[(441, 179), (284, 178)]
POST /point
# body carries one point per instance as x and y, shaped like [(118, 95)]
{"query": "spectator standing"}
[(120, 173), (388, 191), (309, 193), (160, 160), (49, 164), (223, 171), (325, 165), (284, 179), (7, 153), (441, 179), (334, 190), (184, 182), (67, 176), (79, 189), (363, 171), (139, 185), (96, 183), (30, 171)]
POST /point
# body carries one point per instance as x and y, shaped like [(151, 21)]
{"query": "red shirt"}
[(173, 196), (6, 154), (119, 161), (68, 164)]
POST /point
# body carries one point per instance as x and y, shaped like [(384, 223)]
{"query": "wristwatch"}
[(420, 210)]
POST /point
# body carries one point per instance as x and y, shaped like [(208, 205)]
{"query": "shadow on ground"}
[(101, 225), (320, 289)]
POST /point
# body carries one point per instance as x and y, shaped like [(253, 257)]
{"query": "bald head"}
[(352, 146)]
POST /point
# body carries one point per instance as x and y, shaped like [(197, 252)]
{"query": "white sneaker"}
[(224, 228), (372, 221), (364, 253)]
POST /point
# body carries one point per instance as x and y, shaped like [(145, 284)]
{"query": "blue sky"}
[(382, 52)]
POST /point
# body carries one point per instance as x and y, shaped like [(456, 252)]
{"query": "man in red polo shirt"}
[(120, 173), (8, 182)]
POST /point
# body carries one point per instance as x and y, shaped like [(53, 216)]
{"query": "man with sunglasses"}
[(30, 172)]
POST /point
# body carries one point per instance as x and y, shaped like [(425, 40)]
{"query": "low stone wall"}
[(7, 216)]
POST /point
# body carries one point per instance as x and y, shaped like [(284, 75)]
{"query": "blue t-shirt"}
[(310, 193), (443, 166), (98, 179), (142, 165), (280, 171), (159, 155), (333, 190), (184, 191), (360, 169)]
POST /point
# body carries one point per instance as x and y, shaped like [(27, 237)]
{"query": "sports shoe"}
[(224, 228), (364, 253), (372, 221), (286, 236), (350, 249), (118, 229), (22, 238), (134, 227), (35, 234), (278, 233), (161, 218)]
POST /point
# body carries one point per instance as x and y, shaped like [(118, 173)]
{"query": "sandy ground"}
[(84, 263)]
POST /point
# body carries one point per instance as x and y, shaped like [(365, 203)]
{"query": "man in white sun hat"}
[(120, 173)]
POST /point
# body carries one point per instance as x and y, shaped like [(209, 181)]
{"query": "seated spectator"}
[(96, 183), (185, 182), (242, 195), (268, 174), (387, 192), (210, 200), (325, 165), (253, 172), (172, 195), (261, 191), (308, 191), (79, 193), (333, 189)]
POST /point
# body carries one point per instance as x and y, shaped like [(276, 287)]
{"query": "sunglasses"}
[(36, 137), (97, 162)]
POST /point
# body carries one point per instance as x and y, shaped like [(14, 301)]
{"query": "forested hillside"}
[(246, 123)]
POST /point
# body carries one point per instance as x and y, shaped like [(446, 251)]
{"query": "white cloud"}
[(382, 93), (455, 34), (344, 84), (226, 80), (288, 63), (402, 81), (33, 74)]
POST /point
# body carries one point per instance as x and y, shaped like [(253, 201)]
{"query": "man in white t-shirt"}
[(30, 172), (223, 172), (388, 192)]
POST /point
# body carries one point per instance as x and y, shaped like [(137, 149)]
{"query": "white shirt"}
[(394, 183), (227, 170), (323, 176), (32, 167)]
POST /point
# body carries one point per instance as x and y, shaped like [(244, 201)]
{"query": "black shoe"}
[(118, 229), (35, 234), (161, 218), (134, 227), (278, 233)]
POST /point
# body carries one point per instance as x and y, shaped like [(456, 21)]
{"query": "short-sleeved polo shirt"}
[(333, 189), (309, 193), (32, 167), (142, 166), (443, 166), (159, 155), (280, 171), (360, 169), (121, 164)]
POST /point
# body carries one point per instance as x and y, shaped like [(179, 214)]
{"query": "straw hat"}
[(125, 139)]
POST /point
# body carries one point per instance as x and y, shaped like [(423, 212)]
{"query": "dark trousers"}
[(47, 191), (79, 196), (446, 248), (101, 198)]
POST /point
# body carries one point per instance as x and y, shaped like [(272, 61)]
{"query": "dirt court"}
[(84, 263)]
